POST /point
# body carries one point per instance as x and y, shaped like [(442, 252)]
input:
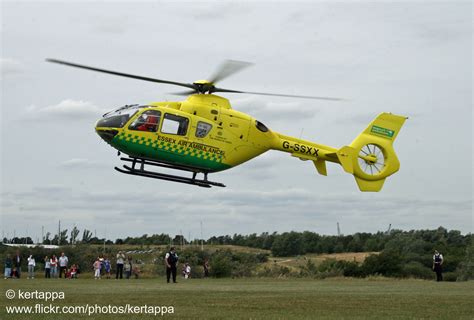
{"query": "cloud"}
[(261, 168), (395, 58), (249, 209), (268, 110), (66, 109), (10, 66), (219, 11), (78, 163), (111, 25)]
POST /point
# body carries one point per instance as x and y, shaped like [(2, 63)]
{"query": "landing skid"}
[(140, 171)]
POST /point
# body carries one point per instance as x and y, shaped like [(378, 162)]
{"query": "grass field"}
[(257, 298)]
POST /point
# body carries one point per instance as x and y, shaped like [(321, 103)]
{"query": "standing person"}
[(31, 267), (187, 271), (206, 268), (102, 265), (97, 265), (63, 262), (107, 266), (53, 263), (17, 260), (47, 267), (128, 268), (437, 263), (171, 260), (8, 266), (120, 261)]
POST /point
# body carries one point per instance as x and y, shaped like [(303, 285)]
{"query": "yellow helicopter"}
[(203, 135)]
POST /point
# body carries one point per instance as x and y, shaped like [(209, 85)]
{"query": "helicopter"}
[(203, 134)]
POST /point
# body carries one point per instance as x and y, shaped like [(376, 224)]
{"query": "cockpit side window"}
[(173, 124), (260, 126), (147, 121), (202, 129)]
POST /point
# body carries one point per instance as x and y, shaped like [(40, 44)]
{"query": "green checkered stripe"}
[(170, 147)]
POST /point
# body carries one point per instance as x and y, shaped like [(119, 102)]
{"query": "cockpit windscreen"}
[(118, 118)]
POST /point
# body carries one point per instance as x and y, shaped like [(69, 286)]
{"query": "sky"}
[(408, 58)]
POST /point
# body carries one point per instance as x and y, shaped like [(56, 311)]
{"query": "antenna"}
[(59, 233), (74, 240), (105, 238), (301, 133)]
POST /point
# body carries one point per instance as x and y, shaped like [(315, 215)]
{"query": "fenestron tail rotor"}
[(371, 159), (226, 69)]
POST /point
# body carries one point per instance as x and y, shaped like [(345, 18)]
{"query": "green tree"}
[(86, 236), (74, 234), (288, 244)]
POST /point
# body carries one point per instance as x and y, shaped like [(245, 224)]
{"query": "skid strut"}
[(137, 168)]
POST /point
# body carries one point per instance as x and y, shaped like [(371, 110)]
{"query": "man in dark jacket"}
[(17, 260), (171, 260), (437, 263)]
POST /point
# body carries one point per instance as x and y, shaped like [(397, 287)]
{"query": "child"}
[(128, 268), (73, 272), (187, 271), (8, 267), (31, 267), (53, 264), (97, 264), (47, 267), (107, 267), (136, 272), (14, 274)]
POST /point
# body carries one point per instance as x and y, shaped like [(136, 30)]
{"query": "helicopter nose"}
[(107, 134)]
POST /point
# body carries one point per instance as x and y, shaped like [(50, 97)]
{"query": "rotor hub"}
[(203, 86), (372, 159)]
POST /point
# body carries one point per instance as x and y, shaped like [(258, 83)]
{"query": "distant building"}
[(46, 246)]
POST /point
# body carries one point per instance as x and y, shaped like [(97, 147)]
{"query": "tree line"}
[(289, 243)]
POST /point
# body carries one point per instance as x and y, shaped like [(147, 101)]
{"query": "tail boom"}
[(370, 157)]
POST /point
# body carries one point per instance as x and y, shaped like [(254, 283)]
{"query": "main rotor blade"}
[(184, 93), (228, 68), (187, 85), (276, 94)]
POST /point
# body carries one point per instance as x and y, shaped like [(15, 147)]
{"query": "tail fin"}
[(371, 157)]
